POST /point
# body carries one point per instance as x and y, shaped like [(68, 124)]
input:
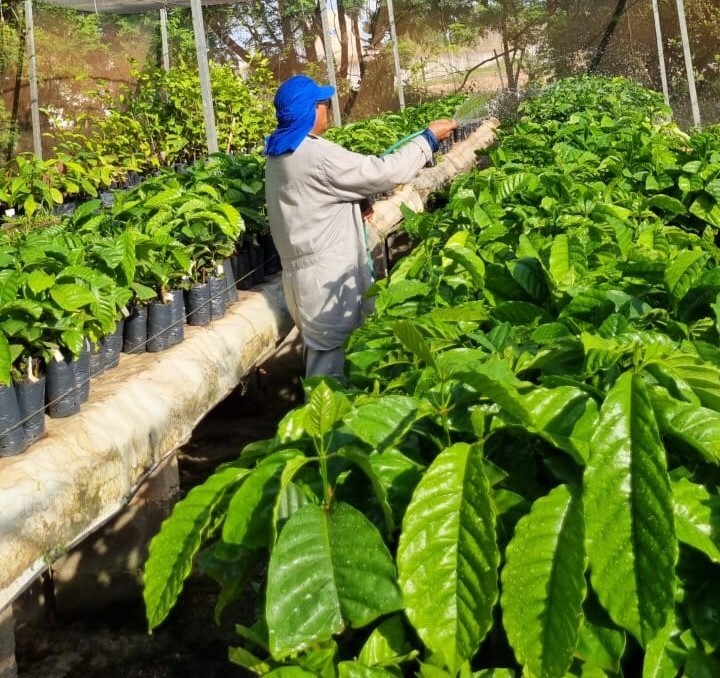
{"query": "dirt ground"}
[(112, 642)]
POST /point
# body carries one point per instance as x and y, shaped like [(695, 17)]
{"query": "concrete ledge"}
[(87, 467)]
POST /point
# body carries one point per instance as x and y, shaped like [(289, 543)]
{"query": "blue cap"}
[(295, 102)]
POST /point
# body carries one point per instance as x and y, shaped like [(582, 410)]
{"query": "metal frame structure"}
[(140, 6), (661, 51), (689, 70)]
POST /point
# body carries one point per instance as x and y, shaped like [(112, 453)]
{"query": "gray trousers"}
[(325, 363)]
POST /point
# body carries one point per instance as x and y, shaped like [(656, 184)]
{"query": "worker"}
[(313, 190)]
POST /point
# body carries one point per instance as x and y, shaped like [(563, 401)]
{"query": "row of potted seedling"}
[(64, 385)]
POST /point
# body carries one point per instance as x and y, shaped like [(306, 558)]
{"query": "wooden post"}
[(396, 55), (164, 40), (688, 63), (330, 61), (204, 70), (661, 52), (32, 64)]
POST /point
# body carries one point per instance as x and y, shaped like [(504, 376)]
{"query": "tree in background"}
[(520, 24)]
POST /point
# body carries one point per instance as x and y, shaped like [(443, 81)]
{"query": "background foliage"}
[(444, 46)]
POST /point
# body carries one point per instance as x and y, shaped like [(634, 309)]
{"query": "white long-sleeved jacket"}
[(314, 214)]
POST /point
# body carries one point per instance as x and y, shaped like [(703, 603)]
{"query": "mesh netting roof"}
[(128, 6)]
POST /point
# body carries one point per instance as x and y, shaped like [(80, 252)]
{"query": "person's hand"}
[(442, 129)]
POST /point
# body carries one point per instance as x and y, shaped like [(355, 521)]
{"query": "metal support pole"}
[(396, 55), (204, 70), (688, 63), (330, 61), (164, 40), (661, 52), (32, 63)]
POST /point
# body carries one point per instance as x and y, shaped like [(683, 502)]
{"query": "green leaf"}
[(565, 416), (684, 272), (73, 340), (399, 292), (360, 459), (387, 644), (291, 671), (698, 427), (324, 408), (246, 659), (164, 198), (356, 669), (72, 297), (702, 605), (697, 517), (511, 184), (25, 306), (698, 663), (668, 204), (567, 261), (249, 515), (56, 196), (521, 313), (631, 538), (9, 285), (328, 570), (529, 274), (172, 549), (470, 311), (659, 661), (543, 583), (706, 208), (412, 341), (399, 475), (5, 360), (231, 566), (601, 646), (290, 498), (703, 378), (470, 261), (381, 421), (39, 281), (126, 242), (30, 206), (447, 556)]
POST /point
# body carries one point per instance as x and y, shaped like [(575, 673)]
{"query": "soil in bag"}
[(82, 372), (61, 392), (197, 304), (160, 317), (230, 289), (96, 359), (12, 434), (31, 399), (257, 263), (177, 325), (243, 275), (112, 345), (218, 298), (136, 330)]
